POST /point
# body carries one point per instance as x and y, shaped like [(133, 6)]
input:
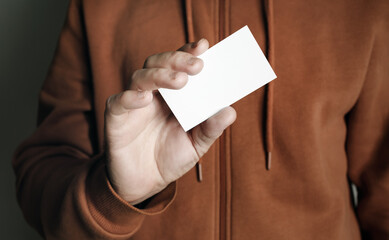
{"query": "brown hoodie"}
[(324, 122)]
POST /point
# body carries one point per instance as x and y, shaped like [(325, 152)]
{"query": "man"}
[(122, 168)]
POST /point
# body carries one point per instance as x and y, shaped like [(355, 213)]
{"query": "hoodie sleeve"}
[(61, 181), (368, 140)]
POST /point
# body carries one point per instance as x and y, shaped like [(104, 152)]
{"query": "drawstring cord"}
[(190, 38), (270, 86), (189, 21)]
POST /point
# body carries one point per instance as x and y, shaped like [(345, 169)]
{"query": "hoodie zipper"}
[(223, 143)]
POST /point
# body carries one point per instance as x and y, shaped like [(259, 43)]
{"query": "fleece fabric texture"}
[(329, 125)]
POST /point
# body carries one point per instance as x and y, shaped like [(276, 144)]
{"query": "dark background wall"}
[(28, 35)]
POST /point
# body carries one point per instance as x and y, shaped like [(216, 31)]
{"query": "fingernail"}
[(192, 60), (174, 75), (195, 44)]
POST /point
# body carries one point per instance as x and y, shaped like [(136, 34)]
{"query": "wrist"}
[(136, 195)]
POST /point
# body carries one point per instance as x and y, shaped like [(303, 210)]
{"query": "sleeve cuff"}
[(113, 213)]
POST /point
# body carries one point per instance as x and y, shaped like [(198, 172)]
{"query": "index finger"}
[(195, 48)]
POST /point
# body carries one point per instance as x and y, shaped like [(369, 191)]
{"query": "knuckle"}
[(135, 78), (159, 77), (175, 54), (135, 75), (109, 102), (208, 130), (177, 58), (159, 73), (122, 97), (148, 61)]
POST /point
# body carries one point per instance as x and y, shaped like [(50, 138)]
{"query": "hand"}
[(146, 147)]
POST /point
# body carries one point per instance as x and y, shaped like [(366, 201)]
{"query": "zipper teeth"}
[(223, 194)]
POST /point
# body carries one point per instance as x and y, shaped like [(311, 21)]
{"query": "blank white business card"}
[(233, 68)]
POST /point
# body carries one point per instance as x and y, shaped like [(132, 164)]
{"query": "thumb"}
[(207, 132)]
